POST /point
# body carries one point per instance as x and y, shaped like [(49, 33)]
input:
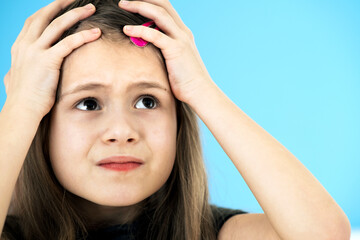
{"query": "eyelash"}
[(157, 102), (84, 99)]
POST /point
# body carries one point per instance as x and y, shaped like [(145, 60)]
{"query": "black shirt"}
[(119, 232)]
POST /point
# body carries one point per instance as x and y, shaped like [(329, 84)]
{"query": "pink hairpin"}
[(139, 41)]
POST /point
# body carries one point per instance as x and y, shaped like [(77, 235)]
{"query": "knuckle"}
[(29, 20), (157, 37), (167, 4), (37, 15), (143, 31), (162, 12), (7, 79), (148, 34), (189, 33), (40, 13), (13, 48), (73, 15), (34, 16), (82, 37), (64, 3), (74, 40), (135, 4), (138, 31), (56, 23), (184, 37), (68, 43)]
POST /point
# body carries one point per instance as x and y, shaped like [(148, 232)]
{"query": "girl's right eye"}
[(88, 104)]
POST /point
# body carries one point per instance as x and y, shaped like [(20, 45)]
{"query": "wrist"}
[(21, 112), (201, 94)]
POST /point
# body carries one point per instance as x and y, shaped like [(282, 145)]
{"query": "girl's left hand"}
[(186, 71)]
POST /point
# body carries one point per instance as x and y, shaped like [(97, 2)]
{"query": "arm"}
[(296, 206), (17, 130), (294, 202), (31, 85)]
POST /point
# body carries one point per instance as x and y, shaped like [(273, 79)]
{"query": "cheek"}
[(68, 148), (163, 139), (67, 140)]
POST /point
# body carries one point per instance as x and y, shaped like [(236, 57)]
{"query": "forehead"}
[(105, 61)]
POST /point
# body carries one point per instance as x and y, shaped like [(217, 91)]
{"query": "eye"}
[(88, 104), (146, 102)]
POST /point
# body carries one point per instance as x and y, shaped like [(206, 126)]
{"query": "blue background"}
[(293, 67)]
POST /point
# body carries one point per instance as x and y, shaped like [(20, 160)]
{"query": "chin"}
[(118, 200)]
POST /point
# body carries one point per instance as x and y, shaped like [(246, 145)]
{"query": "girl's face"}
[(115, 100)]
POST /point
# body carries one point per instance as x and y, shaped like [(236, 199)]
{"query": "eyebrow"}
[(96, 86)]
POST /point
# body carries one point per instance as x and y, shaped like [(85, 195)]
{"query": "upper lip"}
[(120, 159)]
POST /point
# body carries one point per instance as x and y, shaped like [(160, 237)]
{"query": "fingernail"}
[(129, 28), (89, 6), (124, 2), (95, 30)]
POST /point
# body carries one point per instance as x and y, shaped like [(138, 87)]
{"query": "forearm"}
[(294, 201), (17, 130)]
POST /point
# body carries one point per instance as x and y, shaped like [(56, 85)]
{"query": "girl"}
[(99, 136)]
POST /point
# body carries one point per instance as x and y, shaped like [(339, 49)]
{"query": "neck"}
[(97, 216)]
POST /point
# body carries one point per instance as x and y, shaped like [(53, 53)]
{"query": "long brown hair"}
[(179, 210)]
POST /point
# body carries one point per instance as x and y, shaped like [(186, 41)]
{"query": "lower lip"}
[(121, 166)]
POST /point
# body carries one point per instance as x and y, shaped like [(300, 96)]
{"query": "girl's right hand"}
[(32, 80)]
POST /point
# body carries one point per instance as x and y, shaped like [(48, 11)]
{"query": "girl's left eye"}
[(146, 102), (88, 104)]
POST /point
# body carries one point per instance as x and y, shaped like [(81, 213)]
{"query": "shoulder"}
[(12, 229), (221, 215), (248, 226)]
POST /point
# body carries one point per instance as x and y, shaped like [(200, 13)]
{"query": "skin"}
[(31, 85), (119, 125), (295, 204)]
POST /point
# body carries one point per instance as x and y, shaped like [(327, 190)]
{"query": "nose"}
[(119, 128)]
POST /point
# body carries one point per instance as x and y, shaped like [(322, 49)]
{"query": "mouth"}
[(120, 163)]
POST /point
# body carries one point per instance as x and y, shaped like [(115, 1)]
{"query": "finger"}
[(156, 37), (74, 41), (158, 14), (23, 32), (170, 9), (57, 27), (36, 24)]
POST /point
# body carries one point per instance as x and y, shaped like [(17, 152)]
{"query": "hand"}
[(32, 80), (187, 73)]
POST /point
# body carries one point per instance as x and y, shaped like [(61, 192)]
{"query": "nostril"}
[(129, 140)]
